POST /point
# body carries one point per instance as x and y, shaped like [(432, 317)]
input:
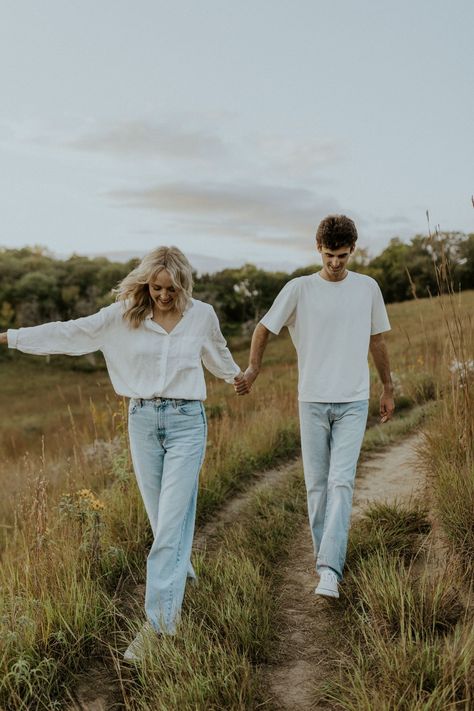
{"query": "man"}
[(334, 317)]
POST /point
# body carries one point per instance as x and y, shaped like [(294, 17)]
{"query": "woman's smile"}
[(162, 291)]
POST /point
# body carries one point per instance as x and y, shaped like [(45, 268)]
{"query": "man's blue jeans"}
[(167, 441), (331, 437)]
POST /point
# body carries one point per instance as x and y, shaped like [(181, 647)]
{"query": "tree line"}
[(35, 287)]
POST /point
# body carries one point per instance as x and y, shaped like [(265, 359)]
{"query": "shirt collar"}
[(189, 305)]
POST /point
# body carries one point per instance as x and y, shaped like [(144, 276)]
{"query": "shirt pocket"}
[(188, 352)]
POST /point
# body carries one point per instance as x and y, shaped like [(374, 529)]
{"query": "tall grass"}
[(411, 644), (447, 456), (448, 452), (411, 613)]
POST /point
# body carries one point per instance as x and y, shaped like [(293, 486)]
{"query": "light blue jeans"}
[(167, 442), (331, 437)]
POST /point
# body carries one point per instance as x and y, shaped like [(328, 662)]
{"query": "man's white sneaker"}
[(135, 649), (327, 584)]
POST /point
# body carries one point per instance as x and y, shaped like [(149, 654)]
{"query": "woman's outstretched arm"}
[(74, 337)]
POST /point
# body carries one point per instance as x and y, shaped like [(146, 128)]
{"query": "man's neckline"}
[(329, 281)]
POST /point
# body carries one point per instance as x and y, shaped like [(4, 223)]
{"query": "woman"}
[(155, 338)]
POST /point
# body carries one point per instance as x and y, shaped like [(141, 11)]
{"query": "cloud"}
[(198, 140), (298, 158), (275, 187), (270, 214), (142, 139)]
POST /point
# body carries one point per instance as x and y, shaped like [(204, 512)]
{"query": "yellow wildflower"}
[(97, 505)]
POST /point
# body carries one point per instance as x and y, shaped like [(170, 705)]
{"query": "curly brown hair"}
[(336, 231)]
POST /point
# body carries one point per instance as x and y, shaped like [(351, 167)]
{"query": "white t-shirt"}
[(142, 362), (330, 324)]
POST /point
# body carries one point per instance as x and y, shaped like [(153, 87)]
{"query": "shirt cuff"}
[(12, 337), (231, 380)]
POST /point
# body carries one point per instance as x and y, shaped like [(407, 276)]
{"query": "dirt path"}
[(307, 650), (230, 511)]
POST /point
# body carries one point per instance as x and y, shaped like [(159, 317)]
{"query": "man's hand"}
[(380, 356), (250, 376), (243, 382), (257, 347), (241, 386), (387, 406), (3, 339)]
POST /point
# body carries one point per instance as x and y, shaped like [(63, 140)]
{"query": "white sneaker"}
[(327, 584), (135, 649)]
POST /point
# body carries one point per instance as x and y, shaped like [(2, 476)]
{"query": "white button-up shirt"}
[(142, 362)]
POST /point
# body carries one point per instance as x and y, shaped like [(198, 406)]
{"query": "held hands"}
[(240, 384), (244, 381), (387, 406)]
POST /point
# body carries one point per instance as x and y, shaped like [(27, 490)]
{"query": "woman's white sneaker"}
[(327, 584), (136, 648)]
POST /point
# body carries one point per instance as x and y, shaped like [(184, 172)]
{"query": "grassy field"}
[(74, 528), (75, 419)]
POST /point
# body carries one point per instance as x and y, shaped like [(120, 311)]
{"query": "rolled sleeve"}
[(12, 337)]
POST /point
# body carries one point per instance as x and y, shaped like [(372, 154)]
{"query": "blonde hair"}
[(135, 285)]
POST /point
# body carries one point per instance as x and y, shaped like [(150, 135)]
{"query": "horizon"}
[(207, 264)]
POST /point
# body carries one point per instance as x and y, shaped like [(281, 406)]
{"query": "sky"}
[(230, 129)]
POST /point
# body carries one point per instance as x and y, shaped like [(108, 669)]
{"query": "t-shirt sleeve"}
[(379, 317), (283, 310)]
